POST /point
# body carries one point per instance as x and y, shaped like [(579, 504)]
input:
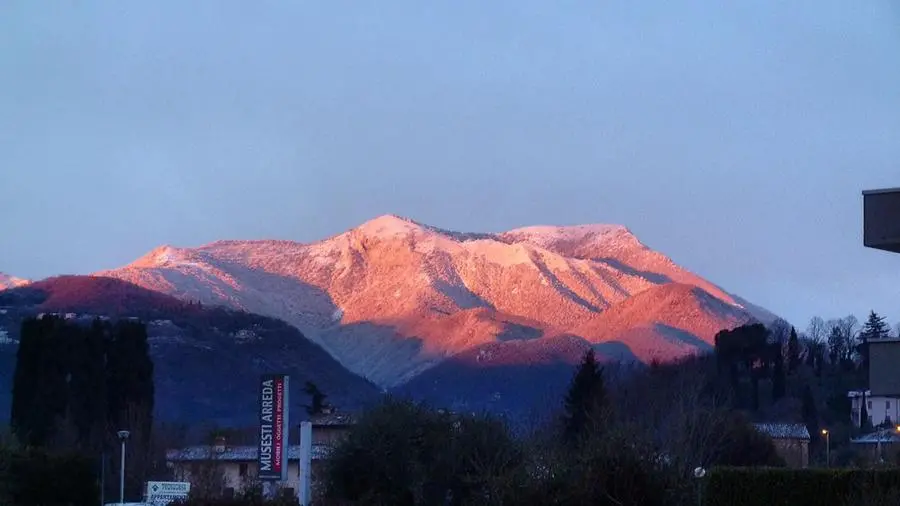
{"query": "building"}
[(234, 468), (791, 442), (881, 410), (881, 219), (879, 446), (883, 395)]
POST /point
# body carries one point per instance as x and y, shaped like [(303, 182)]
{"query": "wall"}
[(884, 376), (328, 434), (236, 475), (880, 409), (795, 452)]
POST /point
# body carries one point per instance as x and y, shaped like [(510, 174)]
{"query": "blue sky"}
[(735, 138)]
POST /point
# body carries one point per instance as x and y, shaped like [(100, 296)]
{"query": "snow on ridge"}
[(7, 281), (548, 234)]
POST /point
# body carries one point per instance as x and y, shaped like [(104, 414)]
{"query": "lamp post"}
[(827, 447), (699, 473), (123, 436)]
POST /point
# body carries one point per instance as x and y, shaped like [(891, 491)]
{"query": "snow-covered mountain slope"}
[(393, 297), (7, 281)]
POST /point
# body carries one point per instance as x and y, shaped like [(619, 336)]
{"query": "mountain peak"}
[(7, 281), (389, 225)]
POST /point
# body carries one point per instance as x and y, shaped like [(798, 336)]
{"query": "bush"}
[(797, 487), (251, 497), (403, 454), (40, 478)]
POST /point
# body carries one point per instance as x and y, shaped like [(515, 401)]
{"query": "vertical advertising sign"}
[(273, 427)]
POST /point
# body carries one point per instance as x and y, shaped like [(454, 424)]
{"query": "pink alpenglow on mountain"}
[(392, 297), (7, 281)]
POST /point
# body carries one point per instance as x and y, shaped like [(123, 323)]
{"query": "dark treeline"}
[(75, 386)]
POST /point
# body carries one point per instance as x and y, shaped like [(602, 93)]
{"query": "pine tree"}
[(586, 398), (793, 351), (875, 328)]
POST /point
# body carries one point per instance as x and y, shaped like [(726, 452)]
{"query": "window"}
[(242, 469), (887, 404), (870, 404)]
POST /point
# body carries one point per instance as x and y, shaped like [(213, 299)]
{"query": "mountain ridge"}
[(393, 297), (7, 281)]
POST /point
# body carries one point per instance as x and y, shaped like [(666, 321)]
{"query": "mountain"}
[(7, 281), (207, 360), (393, 298)]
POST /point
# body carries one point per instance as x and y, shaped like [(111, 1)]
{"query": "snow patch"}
[(4, 337)]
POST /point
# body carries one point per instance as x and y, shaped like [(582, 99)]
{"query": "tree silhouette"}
[(586, 398), (793, 351), (317, 403)]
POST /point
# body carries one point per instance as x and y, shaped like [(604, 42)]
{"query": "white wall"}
[(880, 409)]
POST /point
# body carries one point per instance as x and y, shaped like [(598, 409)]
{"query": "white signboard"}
[(161, 493)]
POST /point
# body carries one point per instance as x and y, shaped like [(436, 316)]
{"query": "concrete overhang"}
[(881, 219)]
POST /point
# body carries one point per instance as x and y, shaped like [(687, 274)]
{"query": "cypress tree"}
[(129, 378), (864, 414), (793, 351)]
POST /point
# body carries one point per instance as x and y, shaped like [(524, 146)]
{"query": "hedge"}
[(38, 478), (795, 487)]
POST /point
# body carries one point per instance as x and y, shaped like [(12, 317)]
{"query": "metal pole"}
[(122, 476), (102, 478), (828, 449)]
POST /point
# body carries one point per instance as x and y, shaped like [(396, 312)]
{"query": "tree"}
[(809, 412), (317, 403), (875, 328), (75, 385), (864, 414), (403, 454), (778, 380), (817, 329), (836, 345), (586, 398), (793, 351), (40, 387)]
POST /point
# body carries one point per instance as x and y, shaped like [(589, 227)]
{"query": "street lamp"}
[(123, 436), (699, 473), (827, 447)]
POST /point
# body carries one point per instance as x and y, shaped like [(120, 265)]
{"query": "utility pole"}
[(123, 436)]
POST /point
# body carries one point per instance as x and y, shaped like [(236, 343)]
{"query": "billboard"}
[(273, 427)]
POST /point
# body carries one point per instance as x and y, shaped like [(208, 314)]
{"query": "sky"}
[(735, 138)]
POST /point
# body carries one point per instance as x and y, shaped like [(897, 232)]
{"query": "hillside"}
[(392, 298), (207, 360), (7, 281)]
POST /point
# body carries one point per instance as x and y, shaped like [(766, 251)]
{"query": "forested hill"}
[(207, 360)]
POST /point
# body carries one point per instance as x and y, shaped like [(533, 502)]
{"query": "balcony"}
[(881, 219)]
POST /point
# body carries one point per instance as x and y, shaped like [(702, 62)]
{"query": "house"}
[(234, 468), (882, 398), (880, 409), (791, 441), (883, 444)]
